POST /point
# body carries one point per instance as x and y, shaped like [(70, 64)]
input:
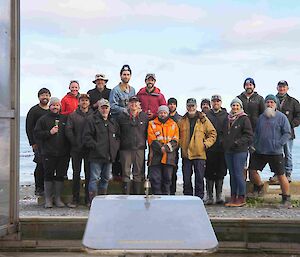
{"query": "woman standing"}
[(71, 100), (237, 138)]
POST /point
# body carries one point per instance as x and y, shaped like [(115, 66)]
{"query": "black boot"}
[(126, 188), (219, 188), (59, 186), (137, 188), (48, 186), (209, 191)]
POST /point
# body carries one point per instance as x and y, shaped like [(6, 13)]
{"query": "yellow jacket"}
[(204, 136)]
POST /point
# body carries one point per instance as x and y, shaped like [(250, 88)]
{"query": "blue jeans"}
[(100, 173), (288, 160), (187, 171), (235, 163)]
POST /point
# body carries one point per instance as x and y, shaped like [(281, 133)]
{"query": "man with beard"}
[(163, 141), (32, 117), (271, 133), (119, 98), (133, 144), (215, 163), (205, 105), (197, 134), (50, 131), (174, 115), (74, 132), (151, 97), (100, 91), (291, 108)]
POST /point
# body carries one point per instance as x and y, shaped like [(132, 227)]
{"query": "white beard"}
[(270, 112)]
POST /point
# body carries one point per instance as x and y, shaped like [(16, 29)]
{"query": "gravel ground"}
[(29, 207)]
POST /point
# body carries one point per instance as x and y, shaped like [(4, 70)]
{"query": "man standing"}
[(100, 91), (151, 97), (50, 131), (163, 141), (102, 137), (32, 117), (172, 104), (133, 129), (215, 163), (74, 132), (205, 105), (253, 103), (197, 134), (291, 108), (272, 132)]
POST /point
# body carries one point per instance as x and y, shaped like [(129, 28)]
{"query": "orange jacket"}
[(162, 134), (69, 104)]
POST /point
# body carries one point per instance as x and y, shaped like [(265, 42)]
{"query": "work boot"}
[(231, 201), (219, 187), (102, 191), (239, 202), (286, 201), (209, 190), (59, 186), (126, 188), (137, 188), (48, 191)]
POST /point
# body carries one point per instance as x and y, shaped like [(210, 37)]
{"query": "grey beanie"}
[(163, 108), (237, 100), (54, 100)]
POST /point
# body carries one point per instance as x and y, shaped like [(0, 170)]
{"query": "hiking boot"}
[(239, 202), (274, 179), (231, 201), (286, 202)]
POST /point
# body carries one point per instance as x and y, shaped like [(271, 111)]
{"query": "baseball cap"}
[(103, 102), (191, 101), (216, 97)]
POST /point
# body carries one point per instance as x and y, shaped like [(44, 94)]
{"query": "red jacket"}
[(151, 101), (69, 104)]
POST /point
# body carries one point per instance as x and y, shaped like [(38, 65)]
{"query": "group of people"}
[(108, 130)]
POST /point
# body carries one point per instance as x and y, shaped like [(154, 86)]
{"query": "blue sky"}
[(196, 48)]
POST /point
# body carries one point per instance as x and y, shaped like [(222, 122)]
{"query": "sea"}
[(27, 165)]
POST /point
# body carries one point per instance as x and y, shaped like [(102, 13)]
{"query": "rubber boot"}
[(48, 189), (59, 186), (209, 190), (102, 191), (219, 188), (126, 188), (137, 188)]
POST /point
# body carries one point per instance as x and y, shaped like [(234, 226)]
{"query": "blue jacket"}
[(271, 134)]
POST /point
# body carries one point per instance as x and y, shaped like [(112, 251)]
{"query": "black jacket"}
[(52, 145), (253, 107), (176, 117), (218, 120), (96, 95), (32, 117), (74, 129), (291, 108), (133, 131), (238, 137), (102, 138)]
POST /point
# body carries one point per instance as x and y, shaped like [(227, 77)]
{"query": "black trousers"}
[(38, 171), (215, 166), (55, 167)]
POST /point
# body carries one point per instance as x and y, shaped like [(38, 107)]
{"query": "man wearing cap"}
[(291, 108), (102, 137), (271, 133), (197, 134), (151, 97), (74, 132), (163, 139), (69, 103), (205, 105), (216, 168), (100, 91), (119, 98), (133, 128), (32, 117), (50, 131), (174, 115)]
